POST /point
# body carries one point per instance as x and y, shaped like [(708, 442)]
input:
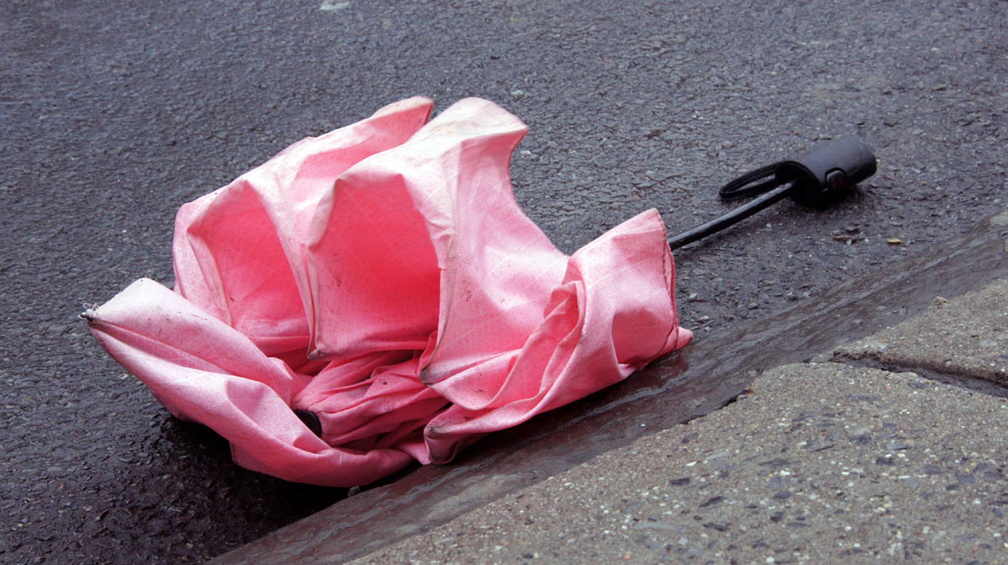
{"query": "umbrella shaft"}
[(731, 218)]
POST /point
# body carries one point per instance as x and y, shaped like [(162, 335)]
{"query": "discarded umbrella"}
[(375, 296)]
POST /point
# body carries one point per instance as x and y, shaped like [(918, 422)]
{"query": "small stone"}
[(331, 6), (896, 445), (712, 501)]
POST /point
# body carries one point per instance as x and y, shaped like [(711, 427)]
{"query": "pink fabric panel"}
[(203, 370), (613, 312), (239, 250)]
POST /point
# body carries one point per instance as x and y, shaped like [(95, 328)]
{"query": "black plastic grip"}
[(827, 172)]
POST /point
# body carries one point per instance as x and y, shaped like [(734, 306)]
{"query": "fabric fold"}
[(383, 277), (204, 371)]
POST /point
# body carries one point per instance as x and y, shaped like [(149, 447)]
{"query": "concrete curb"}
[(963, 339), (819, 462)]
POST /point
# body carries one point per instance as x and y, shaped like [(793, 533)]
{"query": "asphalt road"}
[(113, 115)]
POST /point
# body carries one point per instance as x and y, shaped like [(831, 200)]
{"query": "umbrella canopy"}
[(375, 296)]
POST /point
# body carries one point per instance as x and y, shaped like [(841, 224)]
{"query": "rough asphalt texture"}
[(114, 114)]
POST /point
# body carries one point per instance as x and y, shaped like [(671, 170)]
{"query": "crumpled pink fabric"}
[(383, 278)]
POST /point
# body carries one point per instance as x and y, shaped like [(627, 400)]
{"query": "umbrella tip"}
[(90, 313)]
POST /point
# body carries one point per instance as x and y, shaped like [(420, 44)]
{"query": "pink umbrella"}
[(375, 296)]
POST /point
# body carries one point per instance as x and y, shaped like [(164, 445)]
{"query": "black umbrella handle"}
[(819, 178), (828, 172)]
